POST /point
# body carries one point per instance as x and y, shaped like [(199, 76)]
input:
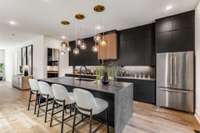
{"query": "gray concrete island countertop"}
[(118, 94)]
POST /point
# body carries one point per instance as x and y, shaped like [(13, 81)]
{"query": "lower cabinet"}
[(143, 90)]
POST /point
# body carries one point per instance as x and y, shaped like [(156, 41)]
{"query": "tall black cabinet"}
[(137, 46), (175, 33)]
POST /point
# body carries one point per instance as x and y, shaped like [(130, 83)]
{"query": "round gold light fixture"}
[(65, 22), (79, 16), (99, 8)]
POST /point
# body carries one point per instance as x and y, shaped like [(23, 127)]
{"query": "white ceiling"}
[(35, 17)]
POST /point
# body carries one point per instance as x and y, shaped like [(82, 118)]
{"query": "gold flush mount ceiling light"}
[(65, 22), (79, 16), (99, 8)]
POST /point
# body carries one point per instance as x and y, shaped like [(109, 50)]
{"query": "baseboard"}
[(197, 117)]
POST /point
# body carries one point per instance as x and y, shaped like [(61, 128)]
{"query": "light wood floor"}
[(14, 117)]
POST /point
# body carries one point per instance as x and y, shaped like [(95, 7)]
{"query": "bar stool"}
[(88, 105), (33, 83), (45, 92), (63, 98)]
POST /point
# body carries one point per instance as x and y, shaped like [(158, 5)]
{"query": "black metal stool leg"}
[(36, 102), (90, 130), (52, 113), (29, 100), (63, 117), (107, 121), (38, 112), (46, 110), (74, 122)]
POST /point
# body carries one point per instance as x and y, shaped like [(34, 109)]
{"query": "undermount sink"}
[(85, 79)]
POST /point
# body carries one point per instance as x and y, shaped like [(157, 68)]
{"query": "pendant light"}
[(95, 48), (98, 38), (76, 51), (83, 46), (64, 44), (79, 42)]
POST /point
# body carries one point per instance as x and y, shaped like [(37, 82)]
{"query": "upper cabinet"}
[(85, 57), (175, 33), (109, 51), (137, 46)]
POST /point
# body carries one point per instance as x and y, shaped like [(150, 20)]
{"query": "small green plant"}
[(1, 68)]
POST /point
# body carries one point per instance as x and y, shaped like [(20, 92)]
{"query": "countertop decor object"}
[(105, 79)]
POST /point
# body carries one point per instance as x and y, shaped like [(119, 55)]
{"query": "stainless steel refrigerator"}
[(175, 80)]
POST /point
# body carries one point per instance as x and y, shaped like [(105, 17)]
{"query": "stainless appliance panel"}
[(175, 99), (164, 70), (183, 70)]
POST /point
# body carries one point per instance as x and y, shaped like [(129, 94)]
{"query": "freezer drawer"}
[(175, 99)]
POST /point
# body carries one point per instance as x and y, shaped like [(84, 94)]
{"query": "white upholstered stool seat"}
[(100, 106), (88, 105), (64, 99)]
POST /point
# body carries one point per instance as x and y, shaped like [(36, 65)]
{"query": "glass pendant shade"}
[(103, 43), (68, 48), (83, 46), (97, 38), (64, 44), (79, 42), (76, 51), (95, 48)]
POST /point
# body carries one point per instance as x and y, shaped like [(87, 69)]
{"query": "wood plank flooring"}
[(14, 117)]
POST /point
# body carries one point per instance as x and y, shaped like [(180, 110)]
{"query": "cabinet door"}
[(123, 48), (184, 21), (138, 49), (110, 50), (183, 40), (164, 42), (144, 91), (164, 25)]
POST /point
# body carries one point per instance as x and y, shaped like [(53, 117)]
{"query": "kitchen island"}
[(118, 94)]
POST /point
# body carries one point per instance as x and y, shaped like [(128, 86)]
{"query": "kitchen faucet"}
[(81, 70)]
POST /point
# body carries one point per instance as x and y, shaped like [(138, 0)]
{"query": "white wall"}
[(2, 56), (38, 56), (9, 63), (197, 50), (40, 45)]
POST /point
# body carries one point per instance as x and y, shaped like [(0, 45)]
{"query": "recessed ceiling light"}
[(11, 22), (63, 37), (98, 27), (169, 7)]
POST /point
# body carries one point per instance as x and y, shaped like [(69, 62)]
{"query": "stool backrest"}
[(33, 83), (44, 88), (84, 99), (59, 92)]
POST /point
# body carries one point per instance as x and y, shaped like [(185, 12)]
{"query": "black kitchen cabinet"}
[(85, 57), (143, 90), (137, 46), (175, 33)]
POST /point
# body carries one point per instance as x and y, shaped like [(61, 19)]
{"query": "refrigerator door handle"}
[(171, 70), (175, 91), (175, 76)]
